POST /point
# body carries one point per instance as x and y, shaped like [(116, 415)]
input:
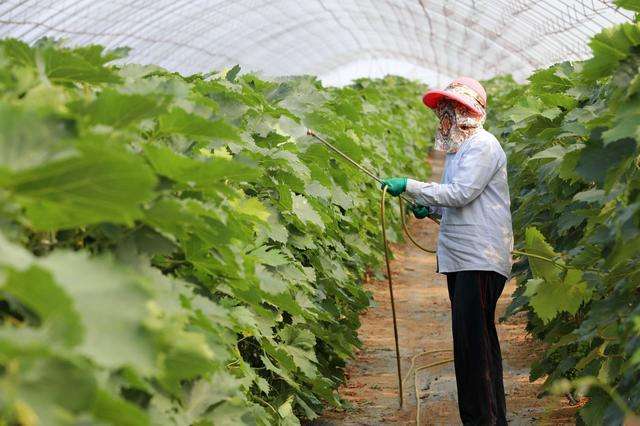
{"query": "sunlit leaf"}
[(103, 184)]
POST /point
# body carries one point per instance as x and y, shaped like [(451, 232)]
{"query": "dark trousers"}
[(476, 349)]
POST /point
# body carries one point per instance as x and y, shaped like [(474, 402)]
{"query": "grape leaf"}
[(116, 410), (101, 184), (270, 257), (43, 393), (61, 65), (202, 174), (64, 66), (595, 155), (180, 121), (28, 139), (305, 212), (609, 47), (549, 298), (36, 289), (113, 308), (625, 124), (120, 110), (536, 244)]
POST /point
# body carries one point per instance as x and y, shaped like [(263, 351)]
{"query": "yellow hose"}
[(412, 368), (390, 280)]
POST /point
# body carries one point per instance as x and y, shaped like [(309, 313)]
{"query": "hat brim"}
[(432, 97)]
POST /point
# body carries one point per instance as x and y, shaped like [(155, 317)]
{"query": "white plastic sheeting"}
[(337, 40)]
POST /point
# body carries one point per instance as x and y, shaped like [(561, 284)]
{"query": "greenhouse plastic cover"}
[(338, 40)]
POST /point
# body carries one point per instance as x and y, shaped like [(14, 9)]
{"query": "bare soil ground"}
[(423, 310)]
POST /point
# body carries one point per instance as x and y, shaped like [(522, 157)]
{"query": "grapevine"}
[(175, 249), (571, 134)]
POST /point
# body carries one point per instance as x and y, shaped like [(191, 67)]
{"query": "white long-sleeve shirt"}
[(473, 199)]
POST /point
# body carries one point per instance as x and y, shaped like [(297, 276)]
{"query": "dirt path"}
[(423, 310)]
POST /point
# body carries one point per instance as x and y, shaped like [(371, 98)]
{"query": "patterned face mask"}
[(457, 123)]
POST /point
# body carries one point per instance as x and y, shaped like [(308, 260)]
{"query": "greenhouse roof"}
[(337, 40)]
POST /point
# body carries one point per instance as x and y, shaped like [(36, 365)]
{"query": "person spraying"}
[(474, 243)]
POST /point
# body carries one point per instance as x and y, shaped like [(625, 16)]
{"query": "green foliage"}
[(555, 287), (572, 138), (174, 250)]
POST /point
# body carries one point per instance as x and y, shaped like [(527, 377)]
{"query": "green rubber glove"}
[(395, 186), (420, 212)]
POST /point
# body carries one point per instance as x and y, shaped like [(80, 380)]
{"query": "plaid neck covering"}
[(457, 123)]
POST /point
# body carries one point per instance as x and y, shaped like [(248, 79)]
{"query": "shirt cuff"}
[(413, 186)]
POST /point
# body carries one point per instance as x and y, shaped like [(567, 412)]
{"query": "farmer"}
[(474, 244)]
